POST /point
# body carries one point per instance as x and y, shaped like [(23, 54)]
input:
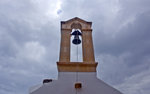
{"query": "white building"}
[(75, 77)]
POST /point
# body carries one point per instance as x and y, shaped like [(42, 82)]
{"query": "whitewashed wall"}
[(65, 85)]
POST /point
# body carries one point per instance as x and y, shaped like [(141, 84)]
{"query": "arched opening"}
[(76, 50)]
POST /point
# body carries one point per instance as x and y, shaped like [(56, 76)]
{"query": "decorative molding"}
[(76, 19), (86, 30), (76, 66), (66, 29)]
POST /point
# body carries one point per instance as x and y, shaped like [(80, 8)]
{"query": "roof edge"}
[(76, 18)]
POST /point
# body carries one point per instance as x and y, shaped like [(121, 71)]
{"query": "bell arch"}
[(87, 42)]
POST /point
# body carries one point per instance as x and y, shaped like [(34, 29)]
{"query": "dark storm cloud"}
[(26, 41), (30, 36), (126, 47), (132, 37)]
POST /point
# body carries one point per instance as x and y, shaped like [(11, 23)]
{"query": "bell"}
[(76, 39)]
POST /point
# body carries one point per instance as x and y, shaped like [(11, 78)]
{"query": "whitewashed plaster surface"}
[(66, 81)]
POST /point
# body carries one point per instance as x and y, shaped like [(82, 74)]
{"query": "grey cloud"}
[(21, 22), (131, 36), (120, 33), (137, 83)]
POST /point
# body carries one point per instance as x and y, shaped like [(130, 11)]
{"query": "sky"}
[(30, 41)]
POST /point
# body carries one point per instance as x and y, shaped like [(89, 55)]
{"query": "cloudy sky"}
[(30, 41)]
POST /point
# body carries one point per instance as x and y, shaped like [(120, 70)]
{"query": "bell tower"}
[(75, 77), (88, 64)]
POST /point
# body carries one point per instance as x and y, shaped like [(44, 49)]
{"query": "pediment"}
[(78, 21)]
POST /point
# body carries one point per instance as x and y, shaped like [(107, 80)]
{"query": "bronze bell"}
[(76, 39)]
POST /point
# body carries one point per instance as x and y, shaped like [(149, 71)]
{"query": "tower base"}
[(76, 67)]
